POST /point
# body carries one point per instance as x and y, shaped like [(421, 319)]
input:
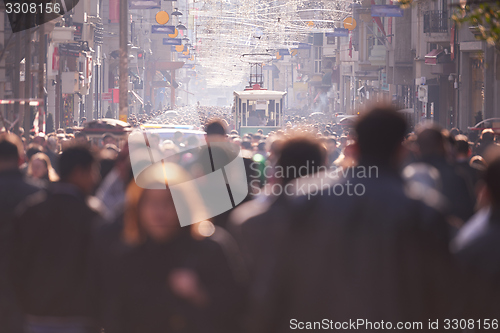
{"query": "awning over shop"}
[(432, 57)]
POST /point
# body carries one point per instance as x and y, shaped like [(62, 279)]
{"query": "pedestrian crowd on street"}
[(85, 249)]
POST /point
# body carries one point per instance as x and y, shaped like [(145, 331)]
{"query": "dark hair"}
[(492, 180), (104, 136), (300, 152), (488, 135), (33, 149), (79, 134), (8, 149), (215, 127), (73, 158), (462, 146), (379, 134), (246, 145), (454, 132), (431, 142)]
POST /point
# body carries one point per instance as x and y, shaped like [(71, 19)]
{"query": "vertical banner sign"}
[(116, 96), (55, 59), (452, 42), (350, 45), (389, 29), (68, 111), (78, 32), (89, 69), (114, 11)]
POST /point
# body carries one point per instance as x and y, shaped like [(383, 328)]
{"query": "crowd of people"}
[(194, 115), (416, 238)]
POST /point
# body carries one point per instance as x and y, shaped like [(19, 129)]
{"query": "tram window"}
[(271, 109), (239, 110), (277, 114), (254, 118), (244, 114), (261, 114)]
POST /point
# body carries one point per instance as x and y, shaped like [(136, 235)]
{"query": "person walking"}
[(363, 248), (160, 277), (480, 255), (13, 190), (51, 253)]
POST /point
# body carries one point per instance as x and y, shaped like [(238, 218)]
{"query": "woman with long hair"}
[(168, 278), (40, 168)]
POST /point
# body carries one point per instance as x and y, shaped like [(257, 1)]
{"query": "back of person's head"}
[(33, 149), (487, 135), (454, 132), (246, 145), (261, 146), (10, 151), (80, 136), (431, 142), (72, 158), (477, 162), (105, 137), (298, 154), (51, 142), (462, 145), (215, 127), (492, 180), (257, 137), (380, 133)]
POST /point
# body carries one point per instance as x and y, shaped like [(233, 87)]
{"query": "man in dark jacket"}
[(260, 225), (460, 196), (13, 190), (480, 258), (52, 238), (363, 250)]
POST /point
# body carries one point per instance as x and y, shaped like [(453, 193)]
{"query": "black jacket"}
[(480, 261), (455, 188), (51, 254), (135, 296), (13, 190), (378, 256)]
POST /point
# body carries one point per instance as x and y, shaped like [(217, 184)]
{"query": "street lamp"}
[(176, 12)]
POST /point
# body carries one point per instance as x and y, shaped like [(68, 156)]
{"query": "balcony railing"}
[(435, 21)]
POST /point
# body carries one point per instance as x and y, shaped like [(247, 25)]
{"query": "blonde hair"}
[(51, 173)]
